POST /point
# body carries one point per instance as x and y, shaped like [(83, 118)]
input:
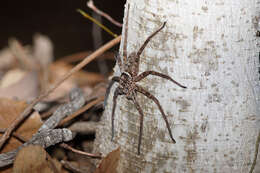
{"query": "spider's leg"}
[(113, 80), (138, 107), (116, 94), (146, 73), (148, 39), (125, 36), (150, 96)]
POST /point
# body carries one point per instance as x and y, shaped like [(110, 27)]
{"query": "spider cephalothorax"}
[(128, 79)]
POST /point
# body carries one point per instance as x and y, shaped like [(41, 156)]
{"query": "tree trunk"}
[(210, 47)]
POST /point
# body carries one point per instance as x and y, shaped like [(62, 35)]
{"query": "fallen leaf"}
[(43, 53), (11, 77), (23, 55), (19, 84), (109, 163), (43, 49), (9, 110), (33, 158), (7, 59)]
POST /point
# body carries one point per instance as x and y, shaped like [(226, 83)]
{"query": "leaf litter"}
[(23, 78)]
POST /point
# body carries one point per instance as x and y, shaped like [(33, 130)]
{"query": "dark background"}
[(58, 19)]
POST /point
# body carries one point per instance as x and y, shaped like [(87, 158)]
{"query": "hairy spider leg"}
[(116, 94), (150, 96), (113, 80), (146, 73), (138, 107), (148, 39), (125, 36), (136, 57)]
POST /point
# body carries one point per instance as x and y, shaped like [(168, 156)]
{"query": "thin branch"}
[(29, 108), (83, 109), (84, 127), (77, 100), (80, 55), (44, 139), (91, 5), (96, 22), (63, 145), (16, 135)]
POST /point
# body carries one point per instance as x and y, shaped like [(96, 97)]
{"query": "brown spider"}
[(129, 77)]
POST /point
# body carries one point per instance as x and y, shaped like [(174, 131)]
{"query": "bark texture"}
[(210, 47)]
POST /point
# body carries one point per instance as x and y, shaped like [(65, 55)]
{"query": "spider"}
[(127, 82)]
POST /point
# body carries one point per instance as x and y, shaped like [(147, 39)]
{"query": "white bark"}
[(209, 46)]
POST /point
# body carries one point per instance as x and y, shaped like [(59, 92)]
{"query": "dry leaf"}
[(9, 110), (109, 163), (23, 55), (33, 158), (43, 53), (7, 59), (12, 77), (19, 84), (43, 49)]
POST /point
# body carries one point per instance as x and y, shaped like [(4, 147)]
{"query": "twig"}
[(16, 135), (77, 100), (45, 135), (44, 139), (83, 109), (91, 5), (98, 156), (50, 137), (96, 22), (26, 112), (98, 41), (84, 127), (79, 56)]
